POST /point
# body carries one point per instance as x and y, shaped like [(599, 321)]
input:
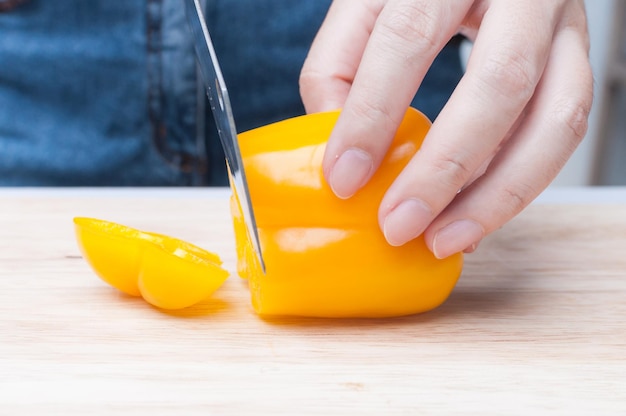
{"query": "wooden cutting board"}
[(536, 323)]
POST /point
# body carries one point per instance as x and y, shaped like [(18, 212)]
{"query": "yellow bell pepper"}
[(167, 272), (324, 256)]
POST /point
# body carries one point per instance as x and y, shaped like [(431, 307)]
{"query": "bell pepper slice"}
[(324, 256), (167, 272)]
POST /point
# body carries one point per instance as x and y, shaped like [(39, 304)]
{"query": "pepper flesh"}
[(167, 272), (324, 256)]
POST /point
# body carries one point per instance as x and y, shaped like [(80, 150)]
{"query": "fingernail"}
[(456, 237), (472, 248), (350, 172), (407, 221)]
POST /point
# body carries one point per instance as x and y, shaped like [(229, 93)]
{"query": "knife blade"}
[(222, 112)]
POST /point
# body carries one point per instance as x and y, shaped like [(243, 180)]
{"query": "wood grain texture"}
[(535, 325)]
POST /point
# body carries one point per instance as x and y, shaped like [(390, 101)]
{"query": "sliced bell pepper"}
[(324, 256), (167, 272)]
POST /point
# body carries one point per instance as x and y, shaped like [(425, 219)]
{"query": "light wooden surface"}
[(536, 324)]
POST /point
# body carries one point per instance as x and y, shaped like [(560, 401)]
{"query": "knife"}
[(223, 114)]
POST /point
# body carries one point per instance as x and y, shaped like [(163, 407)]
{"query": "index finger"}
[(406, 38)]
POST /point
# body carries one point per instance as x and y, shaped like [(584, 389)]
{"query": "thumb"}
[(334, 57)]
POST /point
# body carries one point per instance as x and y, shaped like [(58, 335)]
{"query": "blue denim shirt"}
[(104, 92)]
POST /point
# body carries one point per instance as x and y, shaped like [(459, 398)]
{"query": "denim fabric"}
[(105, 92)]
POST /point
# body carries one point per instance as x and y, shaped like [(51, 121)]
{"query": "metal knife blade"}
[(223, 114)]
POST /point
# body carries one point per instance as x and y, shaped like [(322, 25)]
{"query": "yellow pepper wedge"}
[(324, 256), (167, 272)]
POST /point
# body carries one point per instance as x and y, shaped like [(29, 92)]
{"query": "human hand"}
[(515, 118)]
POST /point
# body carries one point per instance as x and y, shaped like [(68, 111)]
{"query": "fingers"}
[(555, 124), (506, 64), (336, 52), (406, 37), (529, 65)]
